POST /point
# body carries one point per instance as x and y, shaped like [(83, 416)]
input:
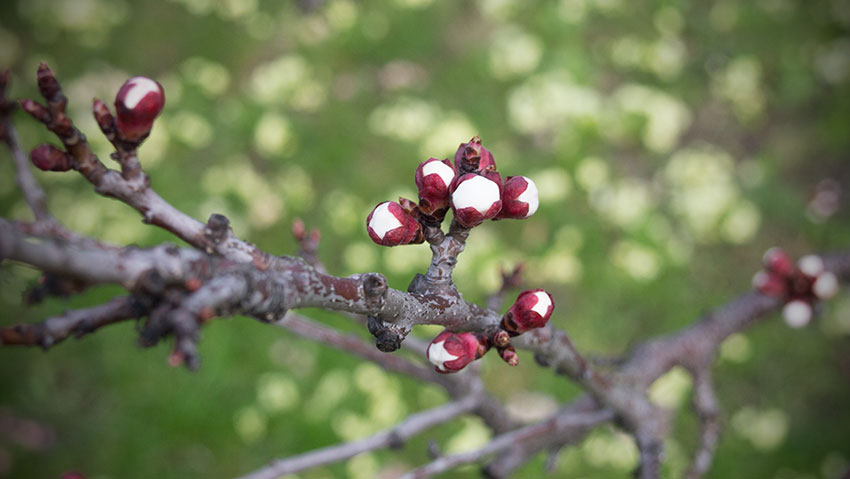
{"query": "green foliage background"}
[(672, 141)]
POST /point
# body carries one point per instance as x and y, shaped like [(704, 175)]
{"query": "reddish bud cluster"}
[(532, 309), (471, 186), (49, 158), (800, 285), (137, 104)]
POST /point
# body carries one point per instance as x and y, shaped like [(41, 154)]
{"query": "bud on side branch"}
[(49, 158)]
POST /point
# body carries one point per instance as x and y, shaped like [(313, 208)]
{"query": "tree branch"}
[(78, 323), (560, 421), (708, 410), (390, 438)]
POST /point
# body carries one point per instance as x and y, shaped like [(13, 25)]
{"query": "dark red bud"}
[(770, 283), (103, 117), (389, 225), (433, 179), (532, 309), (137, 104), (508, 355), (777, 261), (473, 157), (49, 158), (450, 352), (519, 198), (47, 83), (475, 198), (35, 109), (501, 338)]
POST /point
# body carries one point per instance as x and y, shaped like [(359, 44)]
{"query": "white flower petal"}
[(438, 355), (543, 303), (797, 313), (445, 171), (139, 88), (383, 220), (477, 192), (530, 196)]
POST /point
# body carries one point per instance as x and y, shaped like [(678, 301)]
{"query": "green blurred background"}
[(672, 143)]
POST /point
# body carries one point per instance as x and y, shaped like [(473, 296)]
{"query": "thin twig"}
[(78, 322), (706, 406), (33, 193), (505, 441), (392, 438)]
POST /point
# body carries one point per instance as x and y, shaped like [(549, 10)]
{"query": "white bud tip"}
[(477, 192), (760, 279), (771, 253), (797, 314), (445, 172), (543, 303), (530, 196), (139, 88), (826, 286), (438, 355), (383, 220), (810, 265)]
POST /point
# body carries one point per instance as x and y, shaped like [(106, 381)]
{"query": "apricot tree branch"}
[(708, 410), (133, 187), (394, 438), (560, 421), (78, 323)]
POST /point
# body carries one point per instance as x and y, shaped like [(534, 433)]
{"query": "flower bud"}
[(810, 265), (433, 179), (47, 83), (770, 284), (797, 313), (508, 355), (777, 261), (501, 338), (389, 225), (519, 198), (475, 199), (137, 104), (49, 158), (826, 285), (532, 309), (450, 352), (472, 157), (103, 117)]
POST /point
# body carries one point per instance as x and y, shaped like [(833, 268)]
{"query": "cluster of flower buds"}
[(450, 352), (470, 186), (801, 285)]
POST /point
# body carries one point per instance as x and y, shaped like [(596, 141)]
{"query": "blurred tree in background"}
[(672, 143)]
